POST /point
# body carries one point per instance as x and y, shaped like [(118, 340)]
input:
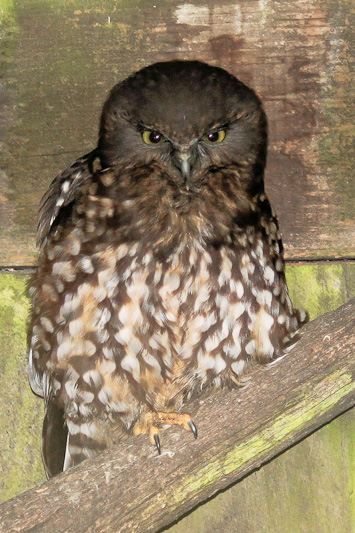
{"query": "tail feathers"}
[(85, 439), (66, 443), (54, 439)]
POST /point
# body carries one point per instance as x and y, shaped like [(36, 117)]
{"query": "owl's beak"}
[(184, 161), (185, 168)]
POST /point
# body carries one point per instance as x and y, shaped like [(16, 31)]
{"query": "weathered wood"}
[(130, 488), (65, 56)]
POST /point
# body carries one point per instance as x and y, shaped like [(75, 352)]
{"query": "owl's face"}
[(188, 118)]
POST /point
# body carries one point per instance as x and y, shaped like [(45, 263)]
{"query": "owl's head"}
[(188, 118)]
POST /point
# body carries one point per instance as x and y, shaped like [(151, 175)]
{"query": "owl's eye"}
[(215, 136), (152, 137)]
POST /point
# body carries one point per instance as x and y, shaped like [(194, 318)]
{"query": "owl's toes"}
[(181, 419), (147, 425)]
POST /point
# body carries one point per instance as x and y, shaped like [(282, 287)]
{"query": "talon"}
[(148, 422), (193, 428), (157, 442)]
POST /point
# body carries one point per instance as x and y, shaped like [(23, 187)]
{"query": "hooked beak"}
[(184, 164)]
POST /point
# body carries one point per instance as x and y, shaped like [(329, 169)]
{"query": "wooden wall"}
[(58, 60)]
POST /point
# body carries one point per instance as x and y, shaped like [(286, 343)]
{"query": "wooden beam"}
[(296, 55), (130, 488)]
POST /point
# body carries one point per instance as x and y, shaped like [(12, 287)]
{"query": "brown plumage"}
[(160, 267)]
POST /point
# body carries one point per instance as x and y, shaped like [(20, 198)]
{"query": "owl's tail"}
[(66, 443), (54, 439)]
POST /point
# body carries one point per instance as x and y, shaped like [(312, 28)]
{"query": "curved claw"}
[(157, 442), (148, 422), (193, 428)]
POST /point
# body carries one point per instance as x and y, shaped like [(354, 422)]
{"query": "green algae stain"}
[(21, 413), (8, 32), (320, 288), (7, 15)]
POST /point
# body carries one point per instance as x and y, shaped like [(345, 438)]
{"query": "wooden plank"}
[(281, 405), (67, 55)]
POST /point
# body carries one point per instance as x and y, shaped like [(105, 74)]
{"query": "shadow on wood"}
[(130, 488)]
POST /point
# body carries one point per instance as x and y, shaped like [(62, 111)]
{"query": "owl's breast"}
[(157, 303), (183, 316), (128, 326), (203, 312)]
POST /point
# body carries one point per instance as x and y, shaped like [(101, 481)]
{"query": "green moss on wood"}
[(8, 33), (20, 413), (7, 15), (320, 288)]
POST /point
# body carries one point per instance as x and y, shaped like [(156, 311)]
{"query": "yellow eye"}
[(215, 136), (152, 137)]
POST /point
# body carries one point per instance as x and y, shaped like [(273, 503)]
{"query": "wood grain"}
[(130, 488), (64, 56)]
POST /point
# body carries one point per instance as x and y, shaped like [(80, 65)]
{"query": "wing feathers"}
[(61, 193)]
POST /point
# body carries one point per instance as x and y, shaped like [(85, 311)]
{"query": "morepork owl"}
[(160, 266)]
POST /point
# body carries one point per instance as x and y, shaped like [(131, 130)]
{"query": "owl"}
[(161, 270)]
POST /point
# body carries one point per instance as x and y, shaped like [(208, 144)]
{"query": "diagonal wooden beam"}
[(130, 488)]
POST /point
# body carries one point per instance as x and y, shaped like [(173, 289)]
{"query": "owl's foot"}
[(148, 422)]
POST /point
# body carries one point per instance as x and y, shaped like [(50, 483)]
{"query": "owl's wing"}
[(61, 193)]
